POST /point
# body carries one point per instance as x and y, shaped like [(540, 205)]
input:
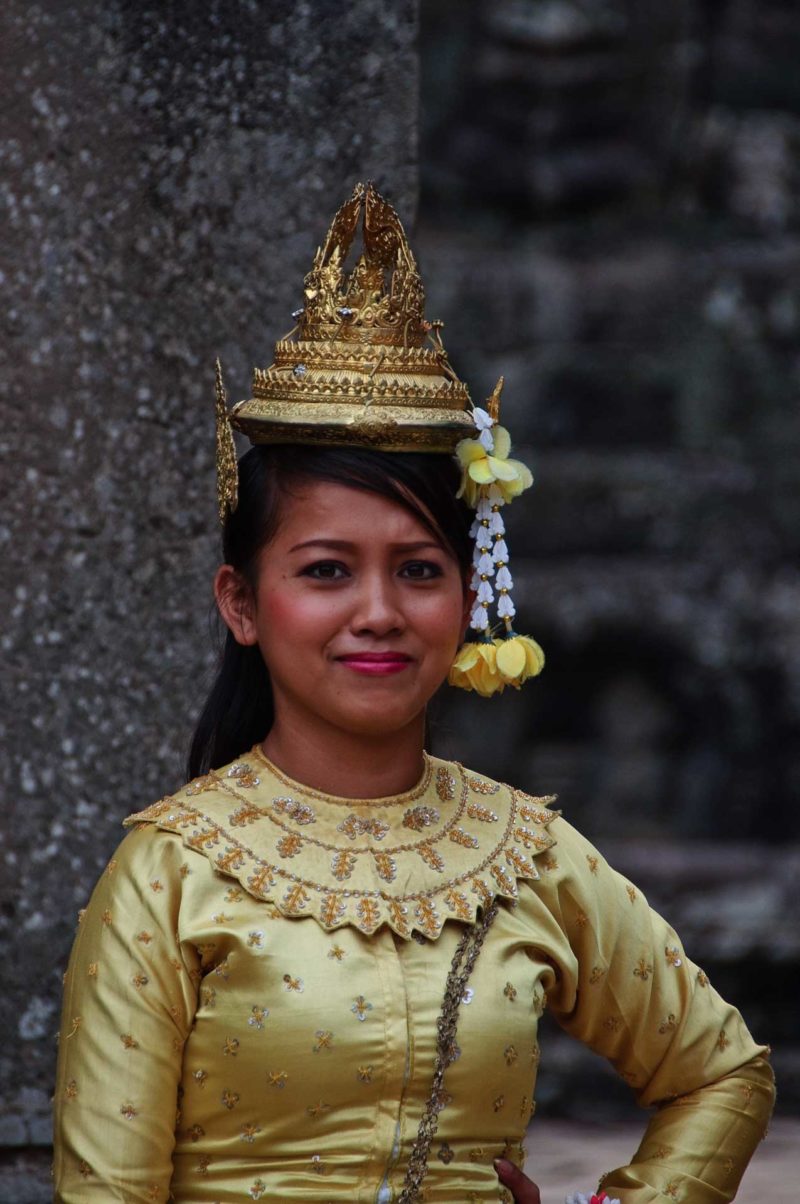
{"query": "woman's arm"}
[(129, 1000), (629, 992)]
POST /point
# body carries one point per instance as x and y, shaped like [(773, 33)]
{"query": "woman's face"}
[(358, 611)]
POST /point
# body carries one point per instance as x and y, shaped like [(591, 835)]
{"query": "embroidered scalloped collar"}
[(412, 861)]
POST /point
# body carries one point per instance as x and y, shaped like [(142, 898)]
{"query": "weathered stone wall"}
[(611, 219), (166, 171)]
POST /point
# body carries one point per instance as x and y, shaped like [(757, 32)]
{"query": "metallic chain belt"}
[(447, 1051)]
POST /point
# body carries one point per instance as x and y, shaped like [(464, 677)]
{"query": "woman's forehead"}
[(325, 508)]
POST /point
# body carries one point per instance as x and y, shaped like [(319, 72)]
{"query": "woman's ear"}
[(236, 604)]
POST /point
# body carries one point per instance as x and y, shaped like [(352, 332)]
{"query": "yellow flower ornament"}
[(482, 466), (489, 480)]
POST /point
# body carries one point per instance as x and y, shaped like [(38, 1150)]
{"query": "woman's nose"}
[(377, 609)]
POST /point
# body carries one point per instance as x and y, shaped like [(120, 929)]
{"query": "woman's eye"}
[(421, 570), (325, 570)]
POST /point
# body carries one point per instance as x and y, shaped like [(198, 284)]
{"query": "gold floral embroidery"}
[(84, 1169), (459, 836), (200, 1077), (139, 981), (727, 1166), (445, 1153), (255, 940), (364, 1074), (246, 813), (477, 1154), (510, 1054), (360, 1008), (342, 864), (506, 884), (317, 1110), (723, 1041), (527, 837), (324, 1039), (294, 984), (184, 871), (427, 917), (244, 774), (128, 1041), (156, 886), (333, 909), (317, 1165), (153, 1192), (669, 1024), (231, 1046), (234, 895), (71, 1090), (277, 1078), (643, 969), (631, 890), (249, 1132), (128, 1111), (457, 903), (77, 1021), (337, 953), (482, 786), (581, 919), (92, 970), (671, 1189), (673, 956), (593, 862), (702, 978), (290, 844), (195, 1133), (484, 814), (230, 1099), (258, 1188), (354, 826), (597, 973), (221, 918), (613, 1023), (418, 818), (208, 996), (257, 1017), (368, 912), (520, 864), (498, 1103), (386, 866), (747, 1090), (550, 863), (203, 1163), (106, 918), (295, 899), (301, 813), (144, 937), (510, 992), (445, 785)]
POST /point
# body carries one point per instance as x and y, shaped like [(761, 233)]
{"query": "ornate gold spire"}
[(355, 369)]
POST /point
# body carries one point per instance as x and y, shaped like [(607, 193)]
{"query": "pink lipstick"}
[(376, 664)]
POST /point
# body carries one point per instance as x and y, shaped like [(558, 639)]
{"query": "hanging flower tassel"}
[(489, 480)]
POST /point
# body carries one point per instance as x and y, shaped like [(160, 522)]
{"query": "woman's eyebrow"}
[(346, 545)]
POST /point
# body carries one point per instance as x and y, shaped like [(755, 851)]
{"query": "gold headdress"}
[(363, 367)]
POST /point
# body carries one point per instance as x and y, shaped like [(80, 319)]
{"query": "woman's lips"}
[(376, 664)]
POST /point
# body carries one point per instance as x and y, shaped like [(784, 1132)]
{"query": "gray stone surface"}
[(166, 172)]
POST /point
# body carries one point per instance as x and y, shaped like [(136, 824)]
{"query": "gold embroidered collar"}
[(412, 861)]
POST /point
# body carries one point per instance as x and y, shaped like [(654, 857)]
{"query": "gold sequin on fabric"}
[(285, 845)]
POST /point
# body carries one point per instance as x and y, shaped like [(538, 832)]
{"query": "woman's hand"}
[(523, 1189)]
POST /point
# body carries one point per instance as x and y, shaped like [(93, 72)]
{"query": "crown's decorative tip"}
[(227, 470), (493, 403)]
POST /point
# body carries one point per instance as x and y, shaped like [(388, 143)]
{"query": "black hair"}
[(238, 712)]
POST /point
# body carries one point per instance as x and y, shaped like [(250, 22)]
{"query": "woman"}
[(316, 971)]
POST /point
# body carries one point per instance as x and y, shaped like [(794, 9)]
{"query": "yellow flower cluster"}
[(491, 665), (480, 467)]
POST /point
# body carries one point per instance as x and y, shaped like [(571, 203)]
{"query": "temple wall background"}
[(166, 172), (609, 217)]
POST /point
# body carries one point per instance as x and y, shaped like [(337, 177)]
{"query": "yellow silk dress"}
[(250, 1007)]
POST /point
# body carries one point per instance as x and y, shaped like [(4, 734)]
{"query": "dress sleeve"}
[(627, 990), (129, 1001)]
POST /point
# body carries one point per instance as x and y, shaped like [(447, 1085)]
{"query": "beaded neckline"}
[(441, 851)]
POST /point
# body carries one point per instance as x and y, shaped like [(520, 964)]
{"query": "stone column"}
[(167, 172)]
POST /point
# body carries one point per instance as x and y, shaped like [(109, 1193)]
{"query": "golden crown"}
[(355, 369)]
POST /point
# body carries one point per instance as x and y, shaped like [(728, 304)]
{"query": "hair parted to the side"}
[(239, 711)]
